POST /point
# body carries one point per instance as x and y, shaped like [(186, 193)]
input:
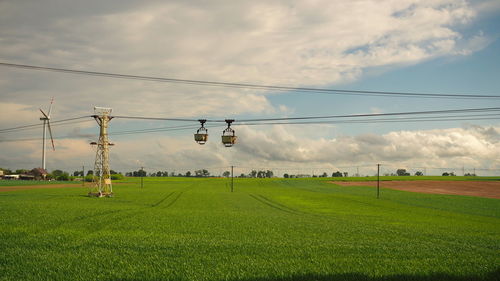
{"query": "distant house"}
[(11, 177), (26, 177), (39, 173), (1, 173)]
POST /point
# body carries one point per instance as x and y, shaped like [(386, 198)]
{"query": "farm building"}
[(39, 173), (11, 177)]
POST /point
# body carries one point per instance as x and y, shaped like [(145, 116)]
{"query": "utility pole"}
[(83, 175), (102, 177), (232, 179), (142, 176), (378, 181)]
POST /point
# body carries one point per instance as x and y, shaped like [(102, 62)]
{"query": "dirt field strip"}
[(489, 189)]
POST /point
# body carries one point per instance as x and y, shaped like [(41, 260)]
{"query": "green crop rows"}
[(274, 229), (32, 182)]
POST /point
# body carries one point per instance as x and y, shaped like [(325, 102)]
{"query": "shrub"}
[(117, 177)]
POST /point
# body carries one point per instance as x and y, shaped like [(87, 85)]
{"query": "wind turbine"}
[(46, 123)]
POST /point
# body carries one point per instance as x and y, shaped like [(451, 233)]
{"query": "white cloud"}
[(283, 42), (302, 43)]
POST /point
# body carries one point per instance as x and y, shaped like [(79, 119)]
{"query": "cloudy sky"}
[(426, 46)]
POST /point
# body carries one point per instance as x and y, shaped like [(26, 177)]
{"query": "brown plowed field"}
[(490, 189)]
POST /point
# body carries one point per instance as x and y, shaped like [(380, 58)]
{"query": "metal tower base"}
[(100, 194)]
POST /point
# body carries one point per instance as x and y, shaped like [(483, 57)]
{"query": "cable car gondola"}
[(201, 135), (228, 137)]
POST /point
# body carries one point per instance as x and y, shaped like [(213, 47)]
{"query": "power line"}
[(139, 131), (433, 112), (252, 86), (374, 121), (32, 126), (376, 114), (435, 115)]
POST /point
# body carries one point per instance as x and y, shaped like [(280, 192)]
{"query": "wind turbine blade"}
[(44, 113), (50, 107), (50, 133)]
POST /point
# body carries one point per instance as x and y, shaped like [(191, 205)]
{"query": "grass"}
[(273, 229), (33, 182)]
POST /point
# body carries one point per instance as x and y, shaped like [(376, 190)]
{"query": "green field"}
[(32, 182), (267, 229)]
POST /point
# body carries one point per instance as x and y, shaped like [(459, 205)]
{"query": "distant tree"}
[(112, 172), (57, 173), (77, 173), (61, 177), (205, 173), (159, 174), (445, 174), (269, 174), (402, 172), (188, 174), (346, 174), (243, 175), (418, 173), (253, 174), (90, 172), (22, 171), (286, 175), (324, 175), (226, 174), (469, 175), (6, 171), (198, 173), (128, 174), (337, 174)]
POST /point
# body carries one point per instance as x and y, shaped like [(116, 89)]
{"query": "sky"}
[(426, 46)]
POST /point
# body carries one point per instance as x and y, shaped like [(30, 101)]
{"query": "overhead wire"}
[(376, 114), (32, 126), (468, 114), (253, 86)]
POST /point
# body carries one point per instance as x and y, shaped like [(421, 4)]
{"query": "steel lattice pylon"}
[(102, 178)]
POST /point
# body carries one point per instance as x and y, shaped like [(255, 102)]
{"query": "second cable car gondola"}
[(201, 135), (228, 136)]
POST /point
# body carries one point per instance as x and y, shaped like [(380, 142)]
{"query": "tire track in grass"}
[(163, 199), (176, 197), (268, 203), (173, 201), (280, 205)]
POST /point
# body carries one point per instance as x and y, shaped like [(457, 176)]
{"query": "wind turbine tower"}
[(102, 178), (46, 124)]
